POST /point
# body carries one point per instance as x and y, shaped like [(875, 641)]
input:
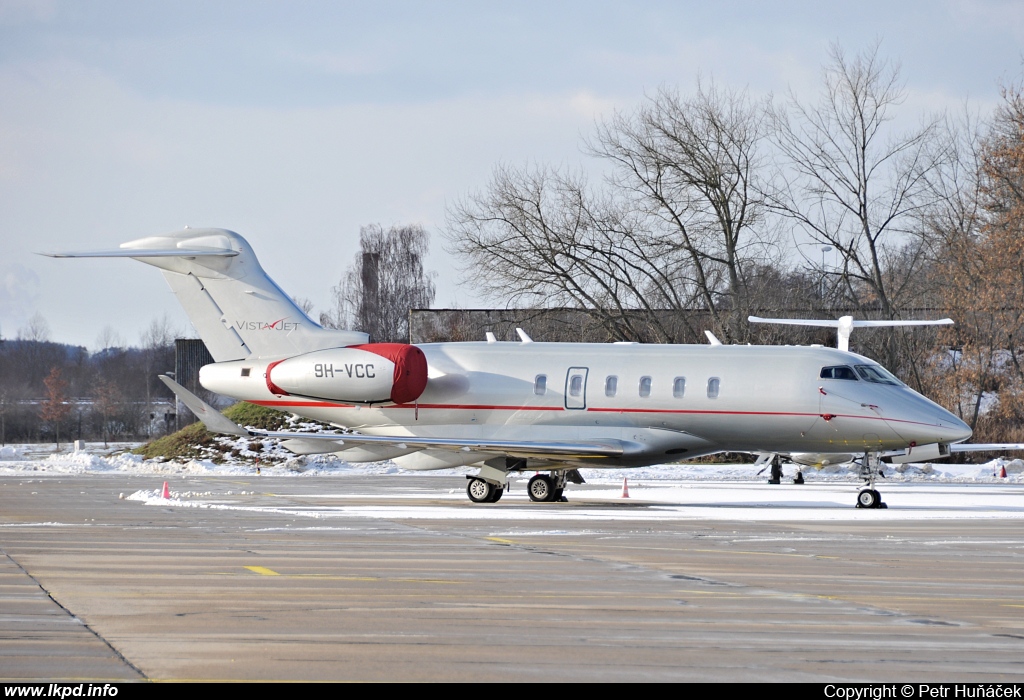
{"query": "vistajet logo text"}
[(282, 324)]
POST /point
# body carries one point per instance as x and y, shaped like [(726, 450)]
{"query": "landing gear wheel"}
[(559, 497), (480, 491), (869, 498), (541, 488), (496, 496)]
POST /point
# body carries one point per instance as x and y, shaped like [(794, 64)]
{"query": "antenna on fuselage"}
[(845, 325), (523, 337), (712, 338)]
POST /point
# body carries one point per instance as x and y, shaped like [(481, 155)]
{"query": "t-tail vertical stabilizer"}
[(238, 310)]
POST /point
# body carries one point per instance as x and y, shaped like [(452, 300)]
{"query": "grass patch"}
[(191, 442), (196, 442), (252, 416)]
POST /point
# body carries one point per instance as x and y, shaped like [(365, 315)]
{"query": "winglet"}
[(712, 338), (214, 420)]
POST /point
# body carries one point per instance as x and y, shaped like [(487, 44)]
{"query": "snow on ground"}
[(650, 502), (663, 492), (116, 458)]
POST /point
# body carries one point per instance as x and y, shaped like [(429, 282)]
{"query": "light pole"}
[(821, 291)]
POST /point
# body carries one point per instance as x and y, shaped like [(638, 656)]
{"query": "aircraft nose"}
[(955, 429), (936, 424), (924, 421)]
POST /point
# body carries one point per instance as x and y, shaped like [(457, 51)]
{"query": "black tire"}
[(498, 493), (541, 488), (868, 498), (480, 491)]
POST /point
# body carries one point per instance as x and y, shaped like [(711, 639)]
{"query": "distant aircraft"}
[(507, 407)]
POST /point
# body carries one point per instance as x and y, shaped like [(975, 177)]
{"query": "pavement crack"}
[(75, 618)]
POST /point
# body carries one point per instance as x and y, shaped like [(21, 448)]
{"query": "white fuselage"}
[(671, 401)]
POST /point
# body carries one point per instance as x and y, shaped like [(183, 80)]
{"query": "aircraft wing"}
[(610, 448), (217, 422)]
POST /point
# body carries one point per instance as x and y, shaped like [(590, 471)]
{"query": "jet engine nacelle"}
[(372, 373)]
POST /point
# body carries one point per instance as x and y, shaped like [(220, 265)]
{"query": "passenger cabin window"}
[(877, 375), (645, 386), (713, 385), (841, 372), (611, 385), (678, 387), (576, 385), (540, 384)]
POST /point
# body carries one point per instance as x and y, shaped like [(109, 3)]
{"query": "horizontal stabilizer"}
[(214, 420), (236, 308), (147, 253)]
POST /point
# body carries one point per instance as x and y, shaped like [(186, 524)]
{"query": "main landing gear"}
[(489, 486), (868, 497), (480, 491), (543, 488)]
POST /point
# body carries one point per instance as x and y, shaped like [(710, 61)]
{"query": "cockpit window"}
[(874, 373), (841, 372)]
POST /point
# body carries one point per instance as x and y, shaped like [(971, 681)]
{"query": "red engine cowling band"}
[(373, 373), (410, 368)]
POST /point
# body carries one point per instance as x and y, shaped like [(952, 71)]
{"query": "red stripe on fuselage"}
[(678, 411)]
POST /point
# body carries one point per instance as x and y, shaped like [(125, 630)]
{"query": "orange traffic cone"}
[(167, 492), (625, 488), (1002, 472)]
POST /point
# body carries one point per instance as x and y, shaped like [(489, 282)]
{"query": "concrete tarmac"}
[(270, 581)]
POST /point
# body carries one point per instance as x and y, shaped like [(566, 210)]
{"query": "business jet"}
[(509, 407), (916, 453)]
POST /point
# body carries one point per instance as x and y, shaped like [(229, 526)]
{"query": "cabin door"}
[(576, 388)]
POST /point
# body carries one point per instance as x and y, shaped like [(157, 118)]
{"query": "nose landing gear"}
[(868, 497)]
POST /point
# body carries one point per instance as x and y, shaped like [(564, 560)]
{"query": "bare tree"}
[(157, 355), (690, 169), (540, 235), (36, 329), (386, 279), (674, 228), (305, 304), (106, 403), (850, 182), (109, 338)]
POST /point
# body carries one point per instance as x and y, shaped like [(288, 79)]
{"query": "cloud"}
[(15, 12)]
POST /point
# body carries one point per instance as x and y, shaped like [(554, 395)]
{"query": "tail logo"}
[(279, 325)]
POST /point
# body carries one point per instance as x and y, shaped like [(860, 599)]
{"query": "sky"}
[(295, 124)]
